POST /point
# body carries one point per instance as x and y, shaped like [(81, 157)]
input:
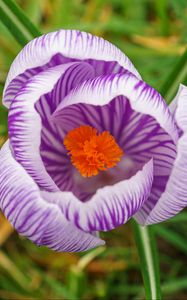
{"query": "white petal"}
[(29, 213), (174, 198), (64, 46), (111, 206)]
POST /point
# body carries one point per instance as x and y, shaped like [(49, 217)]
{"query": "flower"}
[(91, 144)]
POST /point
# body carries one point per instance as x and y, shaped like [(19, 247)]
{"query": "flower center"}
[(91, 151)]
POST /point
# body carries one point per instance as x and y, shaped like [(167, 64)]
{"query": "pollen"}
[(91, 151)]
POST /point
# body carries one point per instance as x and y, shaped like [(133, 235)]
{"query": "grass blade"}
[(172, 237), (17, 22), (7, 264), (177, 76)]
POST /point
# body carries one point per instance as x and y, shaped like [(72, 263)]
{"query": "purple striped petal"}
[(143, 98), (60, 47), (42, 222), (174, 198), (29, 120), (153, 141), (111, 206)]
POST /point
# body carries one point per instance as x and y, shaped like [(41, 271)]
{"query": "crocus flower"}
[(90, 144)]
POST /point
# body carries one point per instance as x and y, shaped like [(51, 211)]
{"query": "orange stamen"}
[(91, 151)]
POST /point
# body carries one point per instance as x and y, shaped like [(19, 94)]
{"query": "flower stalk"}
[(148, 255)]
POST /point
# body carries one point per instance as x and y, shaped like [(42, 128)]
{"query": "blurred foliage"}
[(153, 34)]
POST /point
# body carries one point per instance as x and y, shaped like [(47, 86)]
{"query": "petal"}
[(40, 221), (174, 198), (103, 89), (150, 140), (111, 206), (25, 122), (61, 47)]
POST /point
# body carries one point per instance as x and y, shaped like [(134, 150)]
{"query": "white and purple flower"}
[(91, 144)]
